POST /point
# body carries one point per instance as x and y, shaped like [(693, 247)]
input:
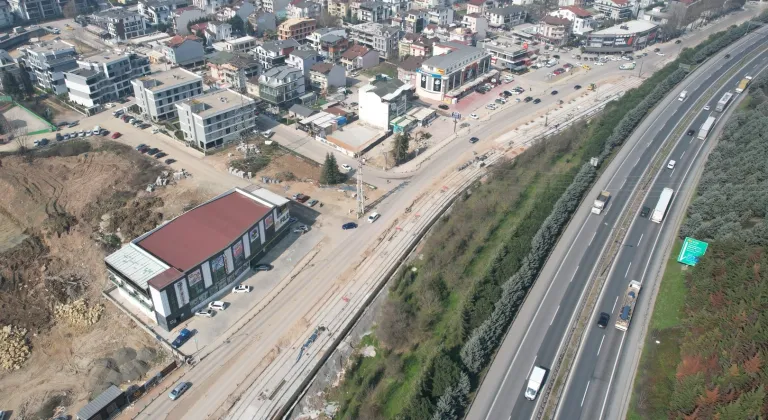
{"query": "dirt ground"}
[(55, 203)]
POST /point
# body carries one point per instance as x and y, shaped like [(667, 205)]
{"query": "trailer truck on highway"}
[(602, 200), (743, 84), (723, 102), (628, 305), (662, 206), (706, 128)]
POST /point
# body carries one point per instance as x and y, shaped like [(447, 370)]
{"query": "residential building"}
[(554, 30), (476, 23), (685, 12), (378, 37), (243, 9), (411, 21), (233, 69), (216, 31), (47, 62), (372, 11), (407, 70), (242, 44), (453, 72), (382, 100), (216, 118), (441, 15), (6, 15), (208, 6), (303, 60), (8, 65), (582, 21), (157, 94), (263, 22), (480, 6), (278, 7), (507, 53), (303, 9), (282, 86), (35, 10), (416, 45), (185, 51), (506, 16), (323, 76), (329, 42), (121, 24), (104, 78), (274, 53), (359, 57), (614, 9), (160, 11), (252, 87), (182, 16), (467, 36), (339, 8), (297, 29), (623, 38)]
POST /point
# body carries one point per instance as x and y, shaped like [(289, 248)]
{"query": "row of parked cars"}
[(154, 151), (97, 131)]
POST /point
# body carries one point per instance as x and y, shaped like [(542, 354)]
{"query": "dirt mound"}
[(121, 366)]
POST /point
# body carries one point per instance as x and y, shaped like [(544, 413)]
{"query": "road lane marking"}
[(641, 239), (601, 345), (614, 304), (553, 316), (585, 394), (630, 265), (532, 365), (671, 172), (615, 364), (593, 238), (683, 154), (574, 274), (623, 184)]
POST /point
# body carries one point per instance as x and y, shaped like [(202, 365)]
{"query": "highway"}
[(551, 305)]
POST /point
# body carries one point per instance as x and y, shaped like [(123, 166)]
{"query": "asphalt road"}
[(589, 388), (501, 394)]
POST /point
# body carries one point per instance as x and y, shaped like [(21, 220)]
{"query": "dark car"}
[(474, 140), (690, 132), (74, 123), (161, 155), (169, 161), (183, 337), (656, 49), (554, 92), (645, 212), (602, 321), (577, 87), (153, 151), (443, 106), (350, 225), (727, 56), (677, 41), (140, 146), (528, 99), (144, 149), (59, 137), (537, 100), (262, 267)]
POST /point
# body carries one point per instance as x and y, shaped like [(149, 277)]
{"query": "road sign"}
[(692, 250), (456, 115)]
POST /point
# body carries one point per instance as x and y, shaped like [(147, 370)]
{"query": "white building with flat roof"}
[(47, 62), (156, 94), (211, 120), (103, 78)]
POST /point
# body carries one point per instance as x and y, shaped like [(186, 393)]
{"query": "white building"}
[(614, 9), (442, 16), (304, 9), (121, 24), (104, 78), (208, 6), (274, 53), (282, 85), (582, 21), (47, 62), (160, 11), (323, 76), (382, 100), (211, 120), (506, 16), (277, 7), (454, 69), (218, 31), (242, 44), (303, 60), (157, 93)]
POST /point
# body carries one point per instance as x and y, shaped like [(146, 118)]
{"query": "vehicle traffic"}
[(600, 202), (706, 128), (743, 84), (724, 102), (662, 205), (535, 381), (628, 306)]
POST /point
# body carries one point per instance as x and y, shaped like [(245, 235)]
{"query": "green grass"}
[(670, 301)]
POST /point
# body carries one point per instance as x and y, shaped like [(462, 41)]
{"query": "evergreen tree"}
[(330, 173), (26, 82), (400, 149), (237, 24), (10, 85)]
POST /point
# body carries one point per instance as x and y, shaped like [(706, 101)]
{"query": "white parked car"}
[(204, 312), (373, 217), (217, 305), (671, 164), (474, 116), (346, 167), (660, 53), (301, 229), (599, 63), (241, 288)]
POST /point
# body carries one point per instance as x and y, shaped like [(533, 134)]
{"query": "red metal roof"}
[(196, 235), (578, 11)]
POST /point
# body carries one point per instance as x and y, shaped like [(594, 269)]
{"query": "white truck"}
[(628, 305), (706, 128), (535, 381), (683, 96), (602, 200)]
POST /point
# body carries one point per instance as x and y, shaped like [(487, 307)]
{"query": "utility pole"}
[(639, 72), (360, 190)]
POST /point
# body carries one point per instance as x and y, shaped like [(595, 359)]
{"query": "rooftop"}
[(509, 10), (553, 20), (304, 53), (117, 13), (101, 58), (459, 53), (178, 40), (168, 79), (412, 63), (216, 102), (578, 11), (301, 110), (355, 51), (241, 40), (277, 75), (198, 234), (627, 28), (277, 46), (49, 47), (238, 60), (386, 87), (375, 28), (136, 264), (323, 68), (355, 137), (103, 400), (296, 21)]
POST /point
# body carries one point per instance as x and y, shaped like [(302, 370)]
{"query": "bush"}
[(251, 164)]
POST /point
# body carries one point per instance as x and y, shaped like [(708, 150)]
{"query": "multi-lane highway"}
[(564, 280)]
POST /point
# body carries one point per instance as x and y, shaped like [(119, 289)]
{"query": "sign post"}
[(692, 251)]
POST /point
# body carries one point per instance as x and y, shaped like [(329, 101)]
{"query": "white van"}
[(535, 381), (683, 96)]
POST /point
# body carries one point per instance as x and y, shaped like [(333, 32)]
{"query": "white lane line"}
[(601, 345), (681, 155), (691, 140), (553, 316), (574, 274), (671, 172), (585, 394), (532, 365), (530, 325), (630, 265), (623, 184), (593, 238), (616, 363), (641, 239), (614, 304)]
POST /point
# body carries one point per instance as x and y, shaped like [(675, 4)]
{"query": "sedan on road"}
[(474, 116), (217, 305), (116, 135), (180, 389), (602, 321), (645, 211), (443, 106), (528, 99), (169, 161), (161, 155), (474, 140), (537, 100), (241, 288), (350, 225), (690, 132), (204, 313), (346, 167), (554, 92), (577, 87)]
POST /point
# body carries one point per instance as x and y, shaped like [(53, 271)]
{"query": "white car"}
[(204, 312), (671, 164), (373, 217), (660, 53), (474, 116), (707, 108), (241, 288), (346, 167), (301, 229), (491, 106), (599, 63), (217, 305)]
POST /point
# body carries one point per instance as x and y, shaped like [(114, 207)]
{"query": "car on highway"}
[(349, 225), (656, 49), (707, 108), (660, 54), (554, 92), (671, 164), (373, 217), (241, 288), (474, 116), (677, 41), (346, 167), (183, 337), (473, 140), (602, 320), (537, 100), (180, 389), (217, 305), (262, 267), (577, 87), (727, 56), (207, 313), (690, 132), (645, 211), (443, 106)]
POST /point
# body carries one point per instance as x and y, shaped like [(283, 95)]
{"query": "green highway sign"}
[(692, 250)]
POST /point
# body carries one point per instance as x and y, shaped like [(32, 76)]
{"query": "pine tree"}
[(10, 85), (330, 174), (26, 82), (400, 148)]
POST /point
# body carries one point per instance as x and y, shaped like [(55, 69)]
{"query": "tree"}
[(69, 10), (237, 24), (400, 148), (26, 82), (327, 20), (269, 35), (330, 173), (249, 29), (10, 85)]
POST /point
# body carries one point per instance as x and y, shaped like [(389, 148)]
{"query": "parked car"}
[(537, 100), (241, 288), (161, 155), (140, 146), (345, 167), (645, 211), (349, 225), (707, 108), (301, 229), (262, 267), (656, 49), (727, 56), (169, 161), (373, 217), (311, 203), (528, 99), (59, 137), (116, 135), (66, 136), (690, 132), (144, 149), (474, 140), (443, 106), (153, 151), (677, 41), (217, 305), (73, 124), (205, 313), (577, 87), (554, 92), (183, 337), (474, 116), (602, 321), (180, 389)]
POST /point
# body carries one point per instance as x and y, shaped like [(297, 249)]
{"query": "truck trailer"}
[(628, 305), (743, 84), (602, 200), (663, 205), (724, 102), (706, 128)]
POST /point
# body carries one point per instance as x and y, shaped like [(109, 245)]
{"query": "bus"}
[(662, 206), (723, 102)]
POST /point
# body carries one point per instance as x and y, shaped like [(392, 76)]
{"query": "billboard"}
[(692, 251)]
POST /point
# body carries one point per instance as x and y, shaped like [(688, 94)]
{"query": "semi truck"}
[(535, 381), (628, 305), (661, 207), (706, 128), (723, 102), (602, 200), (743, 84)]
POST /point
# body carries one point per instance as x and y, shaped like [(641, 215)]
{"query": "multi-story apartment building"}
[(278, 7), (476, 23), (303, 60), (442, 16), (47, 62), (208, 6), (581, 20), (554, 30), (480, 6), (304, 9), (121, 24), (157, 93), (242, 44), (382, 100), (323, 76), (104, 78), (298, 29), (182, 16), (211, 120), (186, 51), (372, 11), (411, 21), (339, 8), (233, 69), (614, 9), (6, 14), (35, 10), (415, 45), (243, 9), (274, 53), (8, 65), (160, 11), (216, 31), (359, 57), (378, 37), (329, 42), (506, 16), (453, 71), (282, 85)]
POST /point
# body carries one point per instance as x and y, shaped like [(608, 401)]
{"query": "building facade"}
[(274, 53), (448, 77), (624, 38), (330, 43), (160, 11), (35, 10), (303, 60), (47, 62), (381, 38), (233, 69), (282, 86), (359, 57), (216, 118), (298, 29), (104, 78), (382, 100), (581, 20), (554, 30), (506, 16), (323, 76), (181, 17), (304, 9), (614, 9), (158, 93), (185, 51), (121, 24)]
